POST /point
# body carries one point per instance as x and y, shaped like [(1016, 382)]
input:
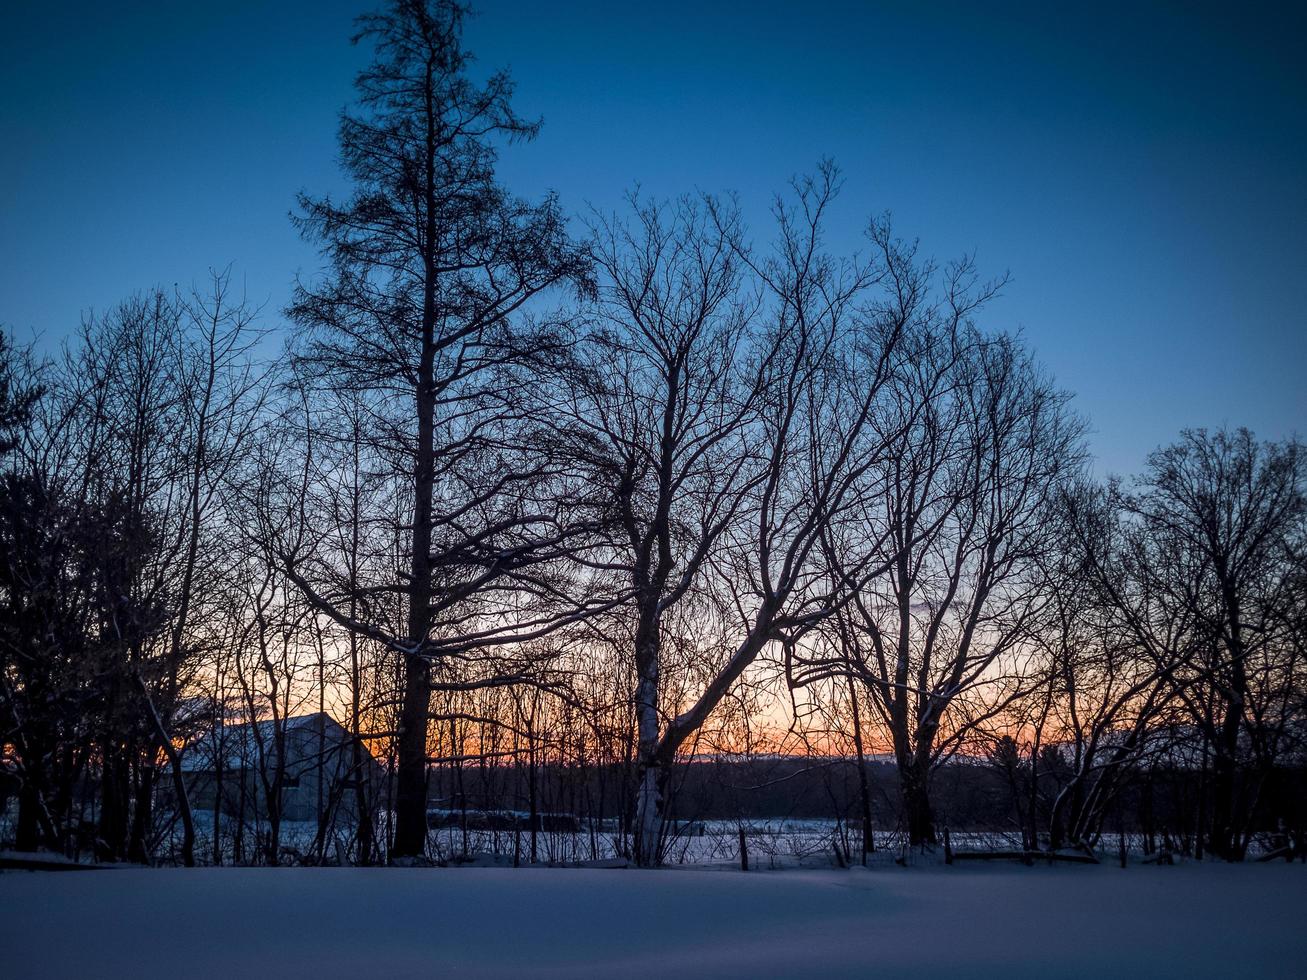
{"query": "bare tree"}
[(1104, 703), (433, 267), (963, 515), (1214, 561), (728, 410)]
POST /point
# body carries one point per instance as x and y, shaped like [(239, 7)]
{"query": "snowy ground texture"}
[(1192, 920)]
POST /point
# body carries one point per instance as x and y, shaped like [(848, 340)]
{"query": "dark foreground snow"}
[(1191, 920)]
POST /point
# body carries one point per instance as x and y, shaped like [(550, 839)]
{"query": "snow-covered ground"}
[(772, 843), (1190, 920)]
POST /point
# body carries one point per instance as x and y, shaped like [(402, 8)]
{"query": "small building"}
[(319, 768)]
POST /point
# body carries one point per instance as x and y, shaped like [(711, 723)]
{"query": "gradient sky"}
[(1141, 170)]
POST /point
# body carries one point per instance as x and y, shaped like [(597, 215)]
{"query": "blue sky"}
[(1140, 169)]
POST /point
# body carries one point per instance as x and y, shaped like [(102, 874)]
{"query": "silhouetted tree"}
[(433, 266), (1215, 558), (980, 442), (730, 405)]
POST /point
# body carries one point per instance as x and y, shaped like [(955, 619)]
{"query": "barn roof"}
[(309, 740)]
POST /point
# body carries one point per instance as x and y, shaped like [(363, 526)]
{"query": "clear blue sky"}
[(1141, 170)]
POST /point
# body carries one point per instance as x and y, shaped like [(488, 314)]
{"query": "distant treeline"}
[(1159, 804)]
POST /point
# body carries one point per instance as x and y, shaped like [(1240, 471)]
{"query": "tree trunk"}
[(142, 814), (219, 769), (114, 792), (272, 852), (28, 834), (1226, 841), (242, 795), (864, 791), (1057, 822), (1225, 838), (532, 790), (411, 786), (363, 803), (648, 801), (649, 817), (915, 790), (178, 779), (411, 767)]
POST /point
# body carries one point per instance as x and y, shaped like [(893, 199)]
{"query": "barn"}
[(319, 768)]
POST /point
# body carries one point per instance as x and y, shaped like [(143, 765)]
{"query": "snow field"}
[(1191, 920)]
